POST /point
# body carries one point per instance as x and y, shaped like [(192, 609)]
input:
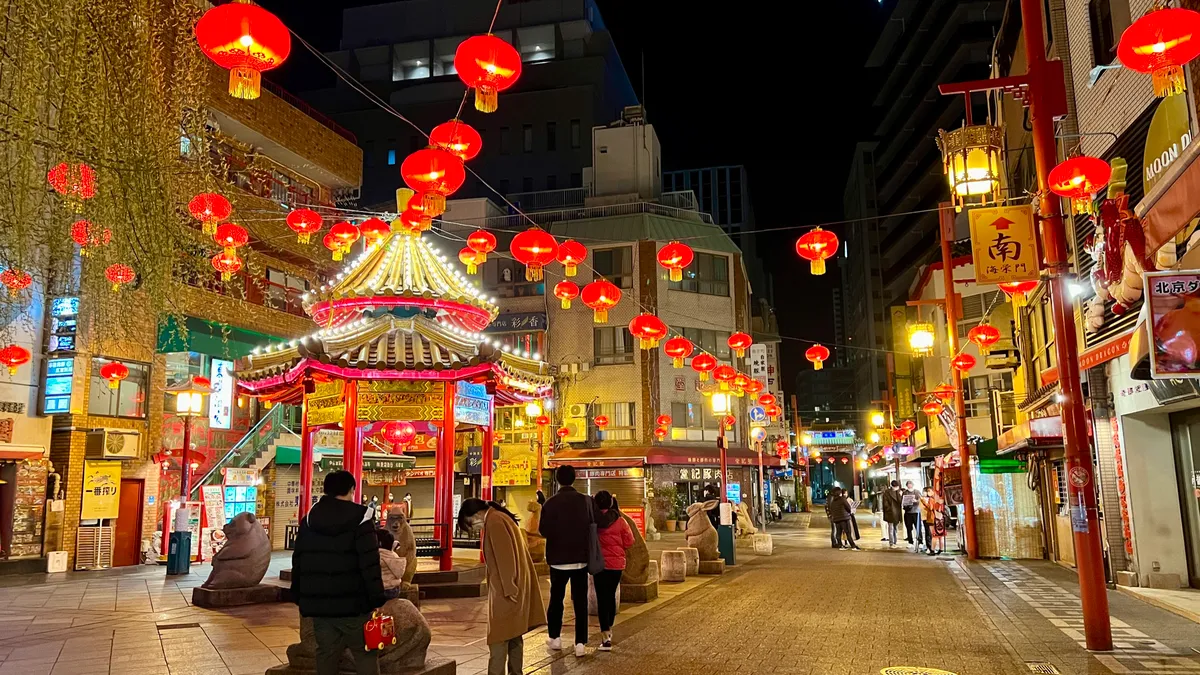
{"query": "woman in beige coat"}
[(514, 596)]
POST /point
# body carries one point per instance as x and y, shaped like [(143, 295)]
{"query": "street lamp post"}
[(759, 433), (189, 404), (1042, 89)]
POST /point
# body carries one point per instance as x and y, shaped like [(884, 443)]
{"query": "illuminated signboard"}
[(56, 393), (64, 324), (220, 402), (472, 405)]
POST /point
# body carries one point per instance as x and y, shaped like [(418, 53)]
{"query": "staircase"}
[(255, 450)]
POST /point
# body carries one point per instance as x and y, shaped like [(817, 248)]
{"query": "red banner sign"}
[(1098, 355)]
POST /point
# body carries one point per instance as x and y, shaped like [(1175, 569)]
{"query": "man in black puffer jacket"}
[(336, 579), (565, 523)]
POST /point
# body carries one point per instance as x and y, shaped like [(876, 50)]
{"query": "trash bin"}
[(179, 553)]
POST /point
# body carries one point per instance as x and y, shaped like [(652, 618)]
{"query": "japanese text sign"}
[(1004, 244), (101, 490), (1173, 298)]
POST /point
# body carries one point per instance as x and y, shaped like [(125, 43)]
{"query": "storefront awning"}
[(1173, 202), (17, 453), (1040, 432), (664, 454), (207, 337)]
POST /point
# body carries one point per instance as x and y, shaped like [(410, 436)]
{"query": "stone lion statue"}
[(745, 523), (701, 535), (408, 654), (243, 561), (406, 543), (535, 541), (637, 557)]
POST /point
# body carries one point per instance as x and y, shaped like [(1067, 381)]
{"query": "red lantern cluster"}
[(600, 296), (724, 374), (246, 40), (675, 257), (678, 348), (535, 248), (228, 264), (399, 433), (471, 258), (1017, 288), (767, 399), (1079, 179), (482, 242), (601, 421), (660, 433), (434, 174), (663, 420), (76, 182), (739, 343), (340, 238), (373, 230), (816, 246), (488, 65), (542, 420), (963, 362), (1160, 43), (945, 392), (563, 432), (209, 208), (818, 355), (119, 274), (933, 408), (231, 237), (305, 223), (114, 372), (985, 335), (704, 363)]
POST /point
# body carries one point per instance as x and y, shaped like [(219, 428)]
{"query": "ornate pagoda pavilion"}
[(399, 328)]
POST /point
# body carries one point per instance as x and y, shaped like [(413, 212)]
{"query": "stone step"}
[(457, 589)]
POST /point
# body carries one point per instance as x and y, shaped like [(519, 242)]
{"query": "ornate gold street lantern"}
[(973, 162)]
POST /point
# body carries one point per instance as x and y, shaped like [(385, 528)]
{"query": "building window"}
[(410, 61), (614, 264), (708, 275), (127, 400), (551, 182), (391, 158), (714, 342), (527, 184), (576, 180), (443, 55), (537, 43), (1103, 34), (527, 137), (506, 279), (551, 136), (613, 345), (575, 133), (505, 141), (621, 425), (284, 292)]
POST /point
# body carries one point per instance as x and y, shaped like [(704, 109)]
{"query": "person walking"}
[(930, 504), (910, 499), (615, 539), (839, 515), (565, 524), (833, 529), (893, 511), (514, 595), (336, 578)]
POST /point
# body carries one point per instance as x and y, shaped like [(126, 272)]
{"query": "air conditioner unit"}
[(577, 410), (576, 429), (113, 444)]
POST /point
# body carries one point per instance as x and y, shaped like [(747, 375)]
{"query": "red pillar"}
[(1097, 626), (306, 462), (444, 481), (489, 454), (351, 450)]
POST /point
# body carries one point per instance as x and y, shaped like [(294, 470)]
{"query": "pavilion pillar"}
[(306, 462), (489, 456), (351, 449), (444, 481)]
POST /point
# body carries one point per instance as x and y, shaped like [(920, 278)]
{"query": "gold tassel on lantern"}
[(245, 83), (566, 303), (433, 203), (403, 196), (817, 365), (487, 99), (817, 267), (1168, 81), (600, 316), (209, 227)]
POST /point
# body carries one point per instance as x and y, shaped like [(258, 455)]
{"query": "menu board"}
[(29, 509), (240, 499)]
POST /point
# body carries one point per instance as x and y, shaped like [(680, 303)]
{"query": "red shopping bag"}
[(379, 631)]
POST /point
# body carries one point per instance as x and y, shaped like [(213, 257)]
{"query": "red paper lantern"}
[(13, 357), (16, 280), (330, 242), (753, 387), (724, 374), (344, 235), (816, 246), (1160, 43), (944, 392), (648, 329), (600, 296), (773, 410), (374, 229), (482, 241), (542, 420), (246, 40), (458, 138), (818, 354), (472, 259), (739, 383), (933, 408), (908, 425), (898, 435), (1079, 179), (414, 221), (399, 432), (305, 223), (845, 460), (739, 343), (663, 420), (660, 433), (76, 182), (571, 254), (534, 248), (488, 65), (119, 274), (1017, 288), (601, 421), (675, 257), (85, 234), (566, 291), (231, 236), (781, 446), (767, 399), (704, 363), (563, 432), (114, 372), (729, 421), (209, 208), (434, 174), (985, 335), (962, 362), (228, 264), (678, 348)]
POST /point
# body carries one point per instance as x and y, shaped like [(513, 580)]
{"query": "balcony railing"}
[(682, 199), (267, 183), (548, 199), (312, 112), (544, 218), (254, 290)]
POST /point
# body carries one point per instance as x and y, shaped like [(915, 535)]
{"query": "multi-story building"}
[(538, 141)]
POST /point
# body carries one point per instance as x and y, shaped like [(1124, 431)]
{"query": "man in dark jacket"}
[(566, 518), (893, 511), (840, 514), (335, 575)]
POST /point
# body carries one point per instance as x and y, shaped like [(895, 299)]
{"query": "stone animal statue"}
[(637, 557), (535, 542), (243, 561), (406, 656), (701, 535), (745, 523), (406, 543), (651, 530)]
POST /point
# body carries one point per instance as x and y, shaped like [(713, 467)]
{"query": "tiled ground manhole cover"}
[(913, 670), (1042, 667)]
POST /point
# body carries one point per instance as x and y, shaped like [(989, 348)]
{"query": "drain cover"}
[(913, 670), (1042, 667)]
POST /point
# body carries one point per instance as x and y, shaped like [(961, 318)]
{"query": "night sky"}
[(776, 87)]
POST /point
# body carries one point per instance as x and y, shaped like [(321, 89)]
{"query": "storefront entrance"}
[(1185, 434), (127, 543)]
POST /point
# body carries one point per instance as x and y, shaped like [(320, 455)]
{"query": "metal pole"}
[(1085, 518), (185, 476), (946, 216), (762, 491)]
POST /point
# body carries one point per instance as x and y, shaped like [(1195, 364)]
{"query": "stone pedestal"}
[(1127, 579), (212, 598), (593, 606), (763, 544), (652, 573), (431, 667), (639, 592), (674, 566), (712, 567), (692, 556)]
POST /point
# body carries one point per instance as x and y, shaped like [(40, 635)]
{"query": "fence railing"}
[(681, 199), (548, 199), (294, 101), (259, 438)]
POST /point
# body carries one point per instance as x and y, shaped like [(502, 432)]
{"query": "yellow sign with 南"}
[(101, 490), (1004, 244)]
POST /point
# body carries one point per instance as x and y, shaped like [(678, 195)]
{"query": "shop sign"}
[(1096, 356), (638, 515), (1004, 244), (474, 460), (773, 382), (239, 476), (472, 405), (214, 504), (1174, 302), (511, 471), (681, 382), (758, 362), (633, 472), (517, 321), (400, 400), (429, 472), (64, 324), (220, 401), (101, 490), (697, 473), (1170, 133), (326, 405), (335, 463), (60, 378)]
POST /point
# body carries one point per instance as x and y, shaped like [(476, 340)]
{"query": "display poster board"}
[(101, 490), (638, 516), (1173, 299)]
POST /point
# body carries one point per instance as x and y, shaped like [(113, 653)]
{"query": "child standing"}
[(391, 565)]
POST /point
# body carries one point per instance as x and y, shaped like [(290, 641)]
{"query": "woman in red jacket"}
[(615, 538)]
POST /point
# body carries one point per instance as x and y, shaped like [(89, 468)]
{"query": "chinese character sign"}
[(1004, 244), (101, 490), (1174, 301)]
